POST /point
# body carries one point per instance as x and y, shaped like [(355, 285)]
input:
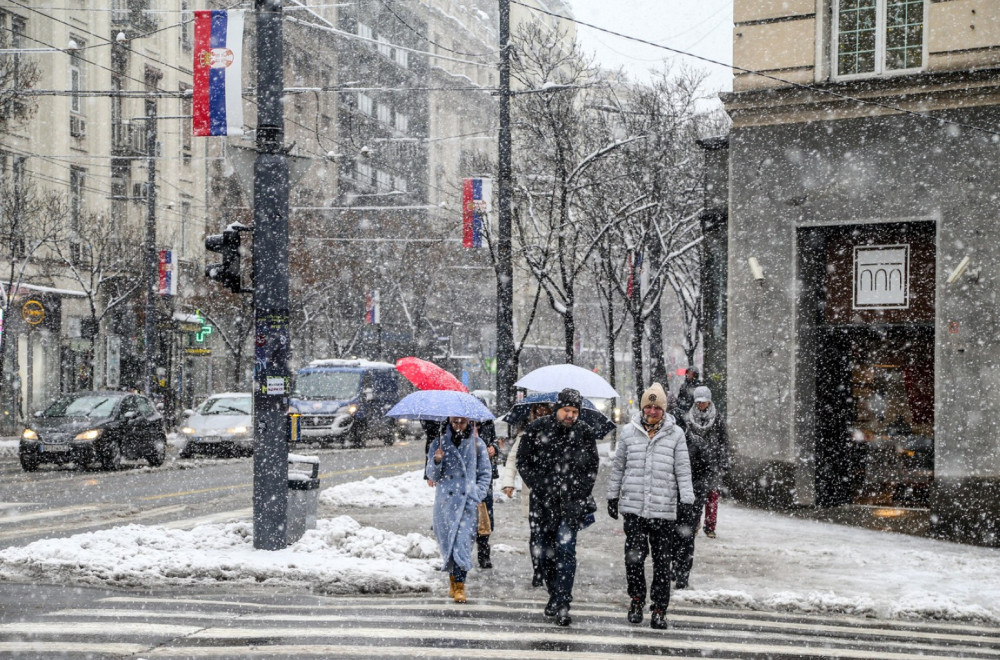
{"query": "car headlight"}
[(187, 430), (29, 435), (92, 434), (351, 409), (238, 430)]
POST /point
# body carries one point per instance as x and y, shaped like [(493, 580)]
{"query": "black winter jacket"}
[(559, 465)]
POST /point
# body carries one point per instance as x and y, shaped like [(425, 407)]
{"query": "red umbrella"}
[(428, 376)]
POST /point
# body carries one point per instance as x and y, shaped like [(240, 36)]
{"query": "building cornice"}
[(871, 97)]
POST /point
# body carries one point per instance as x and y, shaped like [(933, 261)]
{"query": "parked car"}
[(345, 401), (221, 425), (91, 427)]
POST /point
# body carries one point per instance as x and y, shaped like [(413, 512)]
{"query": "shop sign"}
[(882, 277), (33, 312)]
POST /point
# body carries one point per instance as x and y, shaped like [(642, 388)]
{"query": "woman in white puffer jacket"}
[(650, 475)]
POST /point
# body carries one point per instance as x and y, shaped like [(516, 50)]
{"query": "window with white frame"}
[(874, 37), (402, 58), (364, 31), (363, 176), (383, 181), (76, 78), (402, 122), (384, 113), (364, 103), (384, 46), (400, 184)]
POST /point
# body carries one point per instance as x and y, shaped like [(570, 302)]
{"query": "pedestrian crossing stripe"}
[(712, 618), (703, 637), (835, 623)]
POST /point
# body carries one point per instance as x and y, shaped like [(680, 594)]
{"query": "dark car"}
[(94, 427)]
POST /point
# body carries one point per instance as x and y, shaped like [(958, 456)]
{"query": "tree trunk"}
[(610, 336), (637, 324), (569, 333)]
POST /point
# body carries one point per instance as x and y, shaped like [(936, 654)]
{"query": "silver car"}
[(222, 425)]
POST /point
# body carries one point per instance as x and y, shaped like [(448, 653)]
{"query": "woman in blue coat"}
[(458, 465)]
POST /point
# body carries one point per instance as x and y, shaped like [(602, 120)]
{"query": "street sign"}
[(33, 312)]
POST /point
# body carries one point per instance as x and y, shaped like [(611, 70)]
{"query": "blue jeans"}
[(557, 559), (458, 573)]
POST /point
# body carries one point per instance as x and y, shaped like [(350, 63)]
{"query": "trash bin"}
[(303, 496)]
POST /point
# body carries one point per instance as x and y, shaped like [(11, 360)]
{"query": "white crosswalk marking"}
[(431, 627)]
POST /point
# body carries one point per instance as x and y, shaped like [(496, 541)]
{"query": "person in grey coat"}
[(458, 466), (651, 474)]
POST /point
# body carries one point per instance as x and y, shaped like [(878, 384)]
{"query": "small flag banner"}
[(167, 283), (373, 312), (477, 201), (218, 72)]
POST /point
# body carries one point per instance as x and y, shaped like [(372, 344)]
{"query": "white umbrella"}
[(556, 377)]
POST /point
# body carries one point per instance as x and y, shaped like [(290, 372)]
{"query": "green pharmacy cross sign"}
[(206, 328)]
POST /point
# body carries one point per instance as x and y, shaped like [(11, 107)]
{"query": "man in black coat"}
[(558, 460)]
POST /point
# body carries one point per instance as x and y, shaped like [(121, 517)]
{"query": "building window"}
[(384, 46), (187, 19), (402, 122), (187, 110), (402, 58), (76, 78), (879, 36), (383, 181), (401, 184), (364, 175), (384, 113), (76, 178), (364, 103), (364, 31)]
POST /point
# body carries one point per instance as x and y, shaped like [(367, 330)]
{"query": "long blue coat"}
[(463, 479)]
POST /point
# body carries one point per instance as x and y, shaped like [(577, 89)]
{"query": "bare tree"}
[(558, 150), (105, 258), (17, 74), (29, 222)]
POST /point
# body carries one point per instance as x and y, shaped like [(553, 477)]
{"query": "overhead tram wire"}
[(423, 36), (797, 85)]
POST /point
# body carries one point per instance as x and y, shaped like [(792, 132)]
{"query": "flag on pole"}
[(168, 274), (218, 72), (632, 267), (477, 196), (373, 312)]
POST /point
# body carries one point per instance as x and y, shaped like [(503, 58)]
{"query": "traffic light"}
[(228, 244)]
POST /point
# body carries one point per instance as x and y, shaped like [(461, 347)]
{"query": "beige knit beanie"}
[(654, 396)]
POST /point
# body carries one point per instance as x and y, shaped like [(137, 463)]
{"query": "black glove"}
[(613, 508)]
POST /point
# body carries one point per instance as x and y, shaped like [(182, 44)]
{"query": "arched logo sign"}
[(33, 312)]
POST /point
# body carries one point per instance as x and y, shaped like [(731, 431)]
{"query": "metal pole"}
[(506, 367), (152, 276), (270, 288)]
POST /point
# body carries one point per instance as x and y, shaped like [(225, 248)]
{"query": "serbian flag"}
[(218, 72), (631, 271), (373, 311), (168, 274), (477, 196)]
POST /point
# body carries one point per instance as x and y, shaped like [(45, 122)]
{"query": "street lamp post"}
[(270, 289), (149, 329), (506, 367)]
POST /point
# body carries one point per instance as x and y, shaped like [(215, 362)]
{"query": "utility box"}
[(303, 496)]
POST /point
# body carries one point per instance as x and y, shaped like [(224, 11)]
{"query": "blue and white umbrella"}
[(439, 405)]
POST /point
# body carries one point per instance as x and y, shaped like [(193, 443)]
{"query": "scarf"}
[(456, 438), (652, 429), (702, 420)]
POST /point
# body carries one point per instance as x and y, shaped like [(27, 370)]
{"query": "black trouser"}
[(688, 516), (648, 536), (483, 541)]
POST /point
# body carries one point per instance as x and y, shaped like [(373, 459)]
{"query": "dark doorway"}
[(874, 361)]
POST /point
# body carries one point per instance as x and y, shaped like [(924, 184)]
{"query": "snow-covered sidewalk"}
[(760, 560)]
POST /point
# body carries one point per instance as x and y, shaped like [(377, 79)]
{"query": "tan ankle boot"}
[(459, 592), (451, 586)]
